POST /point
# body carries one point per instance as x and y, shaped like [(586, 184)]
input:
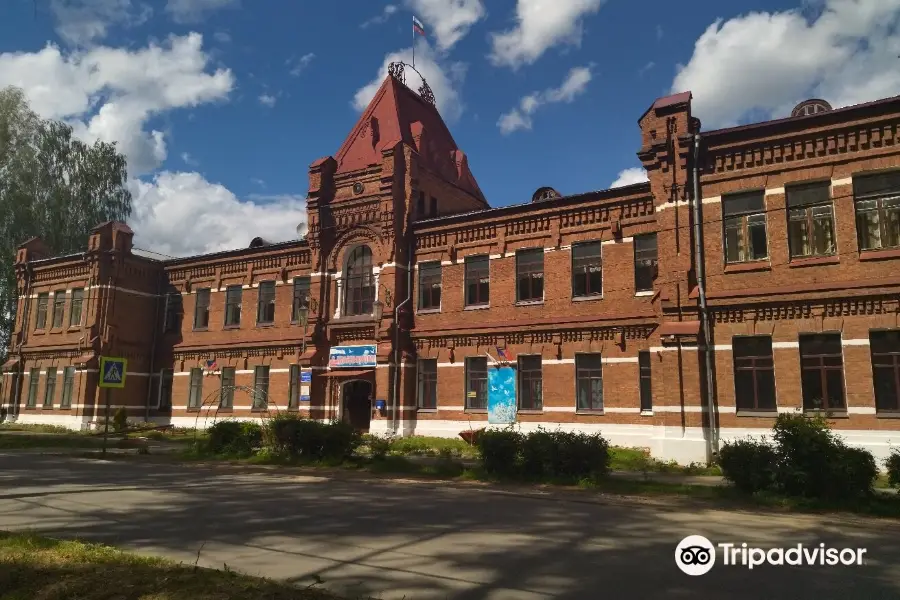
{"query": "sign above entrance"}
[(352, 356)]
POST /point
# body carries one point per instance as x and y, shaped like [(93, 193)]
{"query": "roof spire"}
[(397, 70)]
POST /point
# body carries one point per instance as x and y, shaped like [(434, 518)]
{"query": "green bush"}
[(500, 451), (340, 441), (120, 420), (378, 446), (294, 436), (578, 455), (538, 454), (893, 468), (749, 465), (855, 473), (234, 438)]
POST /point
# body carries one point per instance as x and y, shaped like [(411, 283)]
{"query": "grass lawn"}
[(34, 567), (24, 441)]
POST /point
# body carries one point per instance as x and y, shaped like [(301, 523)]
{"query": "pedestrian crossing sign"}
[(112, 372)]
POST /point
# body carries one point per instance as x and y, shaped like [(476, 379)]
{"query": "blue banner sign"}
[(352, 356), (501, 396), (305, 376)]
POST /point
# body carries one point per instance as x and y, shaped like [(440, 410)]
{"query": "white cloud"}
[(298, 65), (520, 117), (188, 159), (81, 22), (443, 78), (223, 37), (193, 11), (181, 214), (629, 177), (110, 94), (268, 100), (448, 20), (761, 64), (386, 14), (541, 25)]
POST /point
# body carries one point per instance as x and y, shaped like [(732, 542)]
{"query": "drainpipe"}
[(396, 392), (713, 446), (159, 279)]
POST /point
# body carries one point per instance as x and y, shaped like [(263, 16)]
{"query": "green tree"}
[(52, 186)]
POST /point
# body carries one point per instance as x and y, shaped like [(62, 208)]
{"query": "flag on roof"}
[(418, 27)]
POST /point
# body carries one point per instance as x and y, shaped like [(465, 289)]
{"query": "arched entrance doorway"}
[(356, 397)]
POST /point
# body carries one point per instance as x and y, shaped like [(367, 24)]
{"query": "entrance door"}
[(357, 399)]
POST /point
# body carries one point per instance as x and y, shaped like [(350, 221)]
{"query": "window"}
[(476, 383), (588, 382), (645, 262), (301, 297), (34, 376), (430, 286), (173, 313), (478, 280), (885, 348), (754, 373), (226, 385), (166, 377), (360, 283), (265, 308), (195, 395), (201, 309), (745, 227), (77, 304), (233, 306), (434, 209), (68, 387), (530, 275), (59, 307), (530, 383), (426, 376), (810, 220), (420, 205), (877, 199), (294, 387), (40, 321), (646, 381), (822, 371), (587, 270), (261, 388), (50, 388)]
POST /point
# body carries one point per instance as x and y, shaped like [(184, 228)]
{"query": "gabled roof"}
[(397, 114)]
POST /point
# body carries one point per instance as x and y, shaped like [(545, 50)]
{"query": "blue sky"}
[(221, 105)]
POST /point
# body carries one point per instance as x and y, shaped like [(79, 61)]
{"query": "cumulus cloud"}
[(760, 64), (386, 14), (181, 214), (445, 79), (448, 21), (629, 177), (520, 117), (110, 94), (539, 26), (81, 22), (268, 100), (298, 65), (193, 11)]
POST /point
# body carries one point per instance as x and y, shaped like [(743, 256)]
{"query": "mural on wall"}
[(502, 396)]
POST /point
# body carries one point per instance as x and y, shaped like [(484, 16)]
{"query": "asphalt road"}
[(422, 541)]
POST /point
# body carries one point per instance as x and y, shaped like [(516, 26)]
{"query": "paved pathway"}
[(429, 540)]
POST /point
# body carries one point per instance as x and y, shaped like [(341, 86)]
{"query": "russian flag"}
[(418, 27)]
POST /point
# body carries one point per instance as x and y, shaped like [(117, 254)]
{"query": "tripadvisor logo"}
[(696, 555)]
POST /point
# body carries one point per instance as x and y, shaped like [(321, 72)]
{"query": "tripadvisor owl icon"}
[(695, 555)]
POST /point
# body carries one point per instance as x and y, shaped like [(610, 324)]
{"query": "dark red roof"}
[(672, 100), (397, 114)]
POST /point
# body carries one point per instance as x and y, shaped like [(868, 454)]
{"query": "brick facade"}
[(399, 197)]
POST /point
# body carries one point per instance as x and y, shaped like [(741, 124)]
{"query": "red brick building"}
[(768, 252)]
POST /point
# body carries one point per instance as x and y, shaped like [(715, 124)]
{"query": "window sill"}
[(745, 267), (585, 411), (200, 329), (529, 302), (477, 307), (887, 414), (770, 414), (840, 413), (46, 407), (879, 254), (227, 327), (644, 293), (38, 332), (259, 409), (646, 413), (813, 261), (265, 325), (65, 408), (427, 410), (74, 327), (530, 411), (476, 411), (587, 298), (428, 311), (225, 409), (56, 331), (192, 409)]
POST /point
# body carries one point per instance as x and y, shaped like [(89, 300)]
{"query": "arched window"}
[(359, 283)]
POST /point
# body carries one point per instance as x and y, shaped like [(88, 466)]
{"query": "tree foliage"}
[(52, 186)]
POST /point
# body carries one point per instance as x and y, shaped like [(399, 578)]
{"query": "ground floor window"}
[(589, 382), (476, 383), (646, 380), (885, 348), (822, 371), (261, 387), (226, 391), (195, 395), (68, 387), (426, 375), (754, 373), (530, 383)]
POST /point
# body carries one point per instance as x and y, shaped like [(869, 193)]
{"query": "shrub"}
[(538, 452), (379, 446), (234, 438), (893, 468), (499, 451), (340, 441), (294, 436), (749, 465), (854, 474), (578, 455), (120, 420)]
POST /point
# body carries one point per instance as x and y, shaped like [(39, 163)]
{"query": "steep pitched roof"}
[(397, 114)]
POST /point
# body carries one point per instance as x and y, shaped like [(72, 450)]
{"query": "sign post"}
[(112, 375)]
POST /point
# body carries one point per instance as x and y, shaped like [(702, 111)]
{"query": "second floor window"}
[(77, 305), (359, 282), (201, 309), (301, 297), (645, 262), (40, 321), (877, 199), (173, 313), (478, 280), (810, 220), (233, 305), (430, 285), (530, 275), (265, 310), (745, 227), (587, 270), (59, 307)]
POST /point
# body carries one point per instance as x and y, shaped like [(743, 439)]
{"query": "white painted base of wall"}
[(683, 445)]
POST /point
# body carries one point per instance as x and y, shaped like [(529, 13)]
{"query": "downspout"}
[(159, 279), (397, 355), (713, 445)]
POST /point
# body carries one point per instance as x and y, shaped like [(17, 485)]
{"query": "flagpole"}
[(414, 43)]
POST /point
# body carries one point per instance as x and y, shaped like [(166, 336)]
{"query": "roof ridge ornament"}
[(397, 70)]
